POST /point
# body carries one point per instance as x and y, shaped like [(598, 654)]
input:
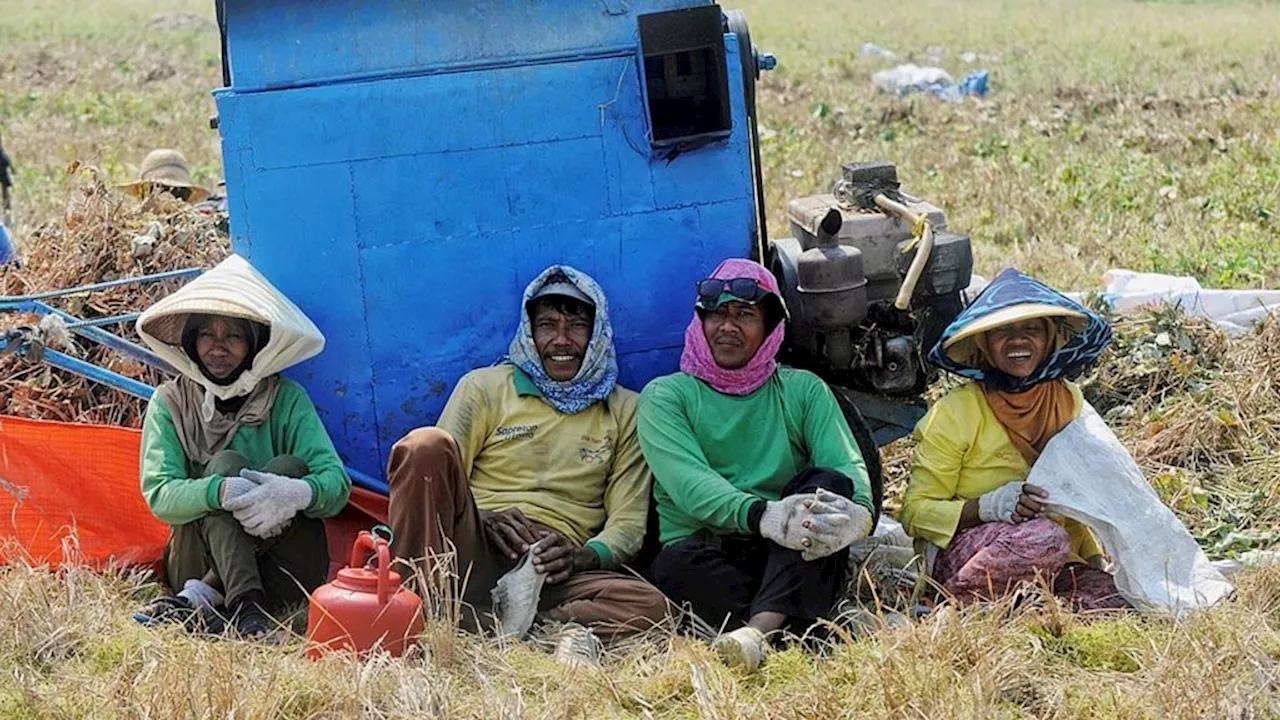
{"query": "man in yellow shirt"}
[(534, 477)]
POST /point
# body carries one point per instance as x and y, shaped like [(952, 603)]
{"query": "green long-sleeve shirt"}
[(176, 491), (713, 455)]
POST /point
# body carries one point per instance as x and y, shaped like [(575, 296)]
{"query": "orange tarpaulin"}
[(69, 494)]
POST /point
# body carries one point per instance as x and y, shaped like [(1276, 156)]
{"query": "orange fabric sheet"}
[(69, 494)]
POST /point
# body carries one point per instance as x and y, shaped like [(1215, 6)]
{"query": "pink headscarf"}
[(697, 360)]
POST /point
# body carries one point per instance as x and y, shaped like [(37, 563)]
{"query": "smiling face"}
[(735, 331), (561, 332), (222, 344), (1019, 348)]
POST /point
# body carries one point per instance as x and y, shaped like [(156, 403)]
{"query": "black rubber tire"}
[(867, 446)]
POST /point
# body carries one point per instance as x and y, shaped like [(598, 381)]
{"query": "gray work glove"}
[(233, 487), (998, 505), (834, 523), (265, 510), (782, 522)]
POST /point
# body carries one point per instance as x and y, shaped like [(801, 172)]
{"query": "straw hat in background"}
[(167, 168)]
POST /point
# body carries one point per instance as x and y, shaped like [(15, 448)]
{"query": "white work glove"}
[(265, 510), (782, 522), (998, 505), (200, 594), (834, 523), (233, 487)]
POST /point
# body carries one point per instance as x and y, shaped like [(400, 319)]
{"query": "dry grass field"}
[(1118, 134)]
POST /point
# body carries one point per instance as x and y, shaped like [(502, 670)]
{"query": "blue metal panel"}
[(303, 224), (348, 39), (405, 215)]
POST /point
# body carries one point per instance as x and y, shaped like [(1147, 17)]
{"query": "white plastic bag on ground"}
[(1092, 478), (888, 552), (1235, 311), (909, 76)]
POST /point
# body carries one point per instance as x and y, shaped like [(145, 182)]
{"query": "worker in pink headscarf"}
[(759, 483)]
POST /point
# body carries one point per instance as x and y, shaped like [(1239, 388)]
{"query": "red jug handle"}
[(366, 542)]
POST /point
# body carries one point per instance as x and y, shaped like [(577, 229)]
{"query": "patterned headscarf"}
[(599, 372), (1082, 335), (697, 360)]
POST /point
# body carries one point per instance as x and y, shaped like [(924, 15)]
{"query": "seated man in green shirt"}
[(534, 477), (759, 483)]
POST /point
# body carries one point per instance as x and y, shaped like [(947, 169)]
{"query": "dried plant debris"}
[(94, 242)]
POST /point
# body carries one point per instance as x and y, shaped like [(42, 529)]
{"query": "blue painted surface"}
[(405, 210), (8, 253), (289, 43)]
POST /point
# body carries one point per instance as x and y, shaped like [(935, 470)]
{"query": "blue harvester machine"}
[(402, 169)]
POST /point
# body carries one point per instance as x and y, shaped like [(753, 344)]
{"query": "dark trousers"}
[(726, 579), (283, 568)]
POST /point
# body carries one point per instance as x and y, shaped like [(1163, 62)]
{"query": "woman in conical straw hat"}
[(166, 170), (984, 527), (234, 456)]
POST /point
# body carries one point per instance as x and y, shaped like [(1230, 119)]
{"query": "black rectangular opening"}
[(685, 74)]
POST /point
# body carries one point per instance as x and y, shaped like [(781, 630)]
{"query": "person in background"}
[(8, 252), (534, 476), (234, 456), (759, 482), (6, 185), (983, 527), (165, 170)]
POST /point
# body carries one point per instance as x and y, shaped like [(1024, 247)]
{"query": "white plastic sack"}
[(906, 77), (1092, 478), (1235, 311), (888, 552)]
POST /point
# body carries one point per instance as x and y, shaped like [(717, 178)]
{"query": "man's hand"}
[(834, 523), (782, 521), (558, 558), (509, 530)]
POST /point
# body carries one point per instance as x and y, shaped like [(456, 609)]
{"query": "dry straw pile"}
[(94, 243)]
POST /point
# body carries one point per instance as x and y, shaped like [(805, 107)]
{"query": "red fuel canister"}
[(364, 607)]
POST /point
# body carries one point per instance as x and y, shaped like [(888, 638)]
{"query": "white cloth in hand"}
[(835, 523), (998, 505), (782, 521), (264, 510)]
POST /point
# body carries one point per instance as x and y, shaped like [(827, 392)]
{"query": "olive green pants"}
[(283, 568)]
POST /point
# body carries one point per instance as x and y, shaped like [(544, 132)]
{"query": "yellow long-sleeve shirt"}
[(581, 474), (962, 452)]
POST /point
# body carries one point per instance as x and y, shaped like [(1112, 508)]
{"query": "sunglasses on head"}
[(744, 289)]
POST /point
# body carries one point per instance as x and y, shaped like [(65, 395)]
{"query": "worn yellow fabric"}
[(582, 474), (962, 452)]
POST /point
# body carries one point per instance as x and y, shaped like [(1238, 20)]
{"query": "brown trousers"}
[(433, 512)]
